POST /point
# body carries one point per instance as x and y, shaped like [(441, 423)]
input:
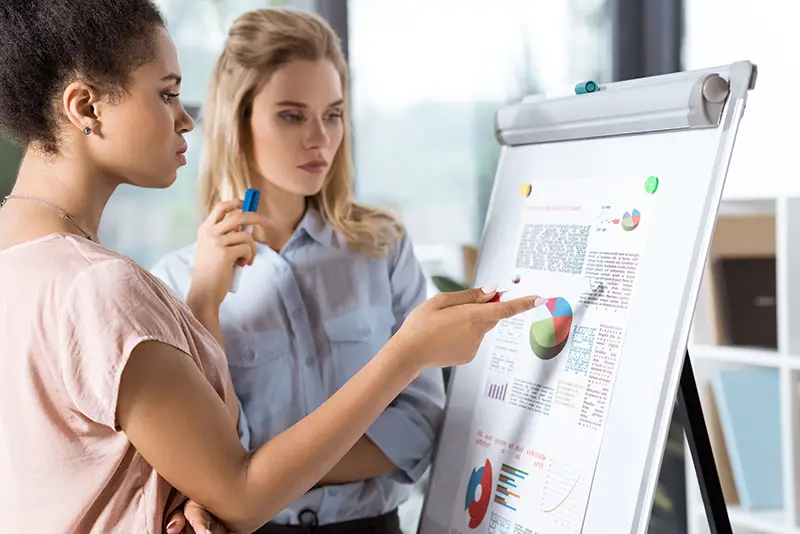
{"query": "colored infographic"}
[(479, 493), (630, 220), (550, 329)]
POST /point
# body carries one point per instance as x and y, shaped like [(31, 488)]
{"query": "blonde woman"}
[(332, 280)]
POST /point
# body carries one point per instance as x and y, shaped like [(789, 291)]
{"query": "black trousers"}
[(384, 524)]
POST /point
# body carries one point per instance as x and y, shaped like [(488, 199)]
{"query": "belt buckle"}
[(309, 519)]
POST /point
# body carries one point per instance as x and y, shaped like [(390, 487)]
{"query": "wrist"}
[(402, 359)]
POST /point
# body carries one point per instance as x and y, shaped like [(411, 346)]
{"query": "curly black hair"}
[(47, 44)]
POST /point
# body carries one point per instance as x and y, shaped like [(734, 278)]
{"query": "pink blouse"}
[(71, 312)]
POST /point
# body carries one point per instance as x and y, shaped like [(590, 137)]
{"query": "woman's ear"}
[(79, 101)]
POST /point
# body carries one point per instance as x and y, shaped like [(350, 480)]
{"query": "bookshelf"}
[(752, 226)]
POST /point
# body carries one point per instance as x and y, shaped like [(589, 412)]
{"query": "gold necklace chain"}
[(61, 212)]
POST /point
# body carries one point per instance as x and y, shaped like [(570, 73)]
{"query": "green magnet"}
[(651, 184)]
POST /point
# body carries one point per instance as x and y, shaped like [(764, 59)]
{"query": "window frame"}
[(647, 37)]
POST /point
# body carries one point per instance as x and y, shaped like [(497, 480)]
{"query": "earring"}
[(87, 130)]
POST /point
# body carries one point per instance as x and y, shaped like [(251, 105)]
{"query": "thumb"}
[(475, 295), (198, 518), (258, 218)]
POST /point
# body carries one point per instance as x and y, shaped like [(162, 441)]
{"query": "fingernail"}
[(208, 531), (491, 288), (171, 523), (539, 301)]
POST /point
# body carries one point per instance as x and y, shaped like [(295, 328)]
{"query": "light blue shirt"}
[(302, 323)]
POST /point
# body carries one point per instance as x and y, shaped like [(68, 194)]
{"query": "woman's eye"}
[(167, 97), (291, 117)]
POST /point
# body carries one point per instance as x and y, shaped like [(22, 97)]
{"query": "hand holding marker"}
[(250, 203)]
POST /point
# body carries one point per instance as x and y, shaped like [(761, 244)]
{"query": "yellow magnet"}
[(525, 190)]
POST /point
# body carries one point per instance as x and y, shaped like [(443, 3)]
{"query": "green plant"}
[(446, 284), (664, 507), (10, 156)]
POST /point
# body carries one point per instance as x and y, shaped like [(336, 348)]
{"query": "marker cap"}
[(586, 87)]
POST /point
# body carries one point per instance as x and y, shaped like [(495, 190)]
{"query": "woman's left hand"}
[(192, 517)]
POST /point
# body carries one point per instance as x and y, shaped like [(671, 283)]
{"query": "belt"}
[(388, 523)]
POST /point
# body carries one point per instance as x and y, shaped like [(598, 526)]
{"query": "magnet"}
[(651, 184), (586, 87)]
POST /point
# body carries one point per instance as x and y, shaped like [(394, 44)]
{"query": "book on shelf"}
[(748, 408), (721, 458)]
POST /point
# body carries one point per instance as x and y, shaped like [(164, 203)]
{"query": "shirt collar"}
[(315, 226)]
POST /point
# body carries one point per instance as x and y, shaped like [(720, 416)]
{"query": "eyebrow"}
[(172, 77), (293, 104)]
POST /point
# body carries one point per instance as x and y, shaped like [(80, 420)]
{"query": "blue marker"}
[(586, 87), (249, 204), (251, 197)]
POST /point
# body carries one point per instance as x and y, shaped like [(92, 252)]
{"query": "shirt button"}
[(309, 361), (365, 331), (297, 313), (250, 354), (333, 492)]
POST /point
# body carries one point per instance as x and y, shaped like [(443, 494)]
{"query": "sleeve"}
[(174, 270), (175, 274), (109, 308), (406, 431)]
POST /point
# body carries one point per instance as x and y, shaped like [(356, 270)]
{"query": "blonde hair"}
[(259, 43)]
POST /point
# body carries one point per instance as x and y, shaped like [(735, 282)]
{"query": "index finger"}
[(492, 312), (176, 522), (222, 208)]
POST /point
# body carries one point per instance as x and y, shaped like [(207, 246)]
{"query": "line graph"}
[(564, 496)]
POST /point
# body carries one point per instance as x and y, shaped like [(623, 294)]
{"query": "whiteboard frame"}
[(741, 77)]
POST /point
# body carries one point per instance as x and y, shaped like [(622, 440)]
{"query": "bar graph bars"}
[(496, 391), (507, 490)]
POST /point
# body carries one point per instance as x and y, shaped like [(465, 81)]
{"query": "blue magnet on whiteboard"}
[(586, 87)]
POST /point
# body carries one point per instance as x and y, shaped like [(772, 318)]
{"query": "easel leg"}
[(700, 446)]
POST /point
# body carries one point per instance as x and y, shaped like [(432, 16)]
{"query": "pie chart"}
[(630, 220), (476, 506), (550, 328)]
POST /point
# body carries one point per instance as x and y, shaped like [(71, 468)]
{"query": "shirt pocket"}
[(356, 337), (262, 374), (255, 349)]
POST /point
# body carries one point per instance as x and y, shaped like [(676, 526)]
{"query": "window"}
[(724, 32), (427, 78)]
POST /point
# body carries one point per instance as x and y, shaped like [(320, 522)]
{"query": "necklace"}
[(61, 212)]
